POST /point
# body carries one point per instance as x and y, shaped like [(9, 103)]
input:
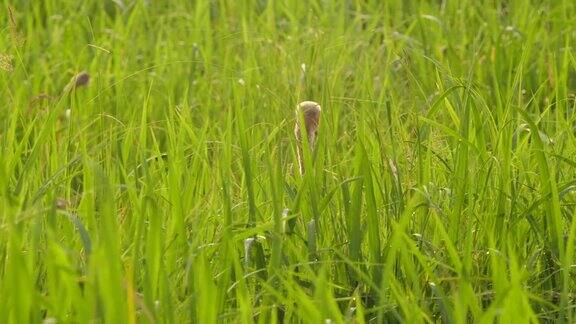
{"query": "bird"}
[(309, 113)]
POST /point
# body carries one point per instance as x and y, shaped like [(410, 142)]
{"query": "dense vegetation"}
[(148, 165)]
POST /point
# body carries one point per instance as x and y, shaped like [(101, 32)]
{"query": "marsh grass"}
[(441, 187)]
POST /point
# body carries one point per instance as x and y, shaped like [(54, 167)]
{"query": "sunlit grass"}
[(149, 170)]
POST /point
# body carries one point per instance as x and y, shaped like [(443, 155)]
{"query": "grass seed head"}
[(79, 80), (16, 37), (6, 62), (82, 79)]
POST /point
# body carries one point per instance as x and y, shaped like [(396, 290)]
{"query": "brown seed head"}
[(82, 79), (79, 80)]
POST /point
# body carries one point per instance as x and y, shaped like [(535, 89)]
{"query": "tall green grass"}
[(442, 187)]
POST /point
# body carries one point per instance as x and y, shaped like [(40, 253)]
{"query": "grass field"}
[(442, 187)]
